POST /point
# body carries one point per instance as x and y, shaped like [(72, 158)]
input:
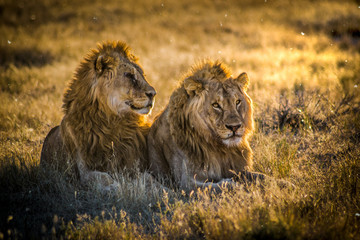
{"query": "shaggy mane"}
[(100, 135), (208, 69), (194, 140)]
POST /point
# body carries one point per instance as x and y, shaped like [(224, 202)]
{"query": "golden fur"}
[(201, 138), (103, 129)]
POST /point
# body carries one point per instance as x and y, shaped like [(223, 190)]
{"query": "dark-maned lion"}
[(104, 127), (201, 138)]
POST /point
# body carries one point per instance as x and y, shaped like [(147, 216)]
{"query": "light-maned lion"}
[(201, 138), (104, 125)]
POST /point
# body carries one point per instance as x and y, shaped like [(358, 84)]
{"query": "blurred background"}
[(277, 42)]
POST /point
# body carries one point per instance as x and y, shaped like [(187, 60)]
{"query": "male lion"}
[(201, 138), (104, 128)]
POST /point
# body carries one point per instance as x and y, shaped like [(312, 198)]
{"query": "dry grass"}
[(303, 58)]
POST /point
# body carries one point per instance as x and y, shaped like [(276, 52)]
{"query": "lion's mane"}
[(104, 139), (181, 126), (186, 126)]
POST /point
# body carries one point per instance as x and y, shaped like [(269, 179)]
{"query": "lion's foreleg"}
[(90, 178), (189, 181), (217, 186)]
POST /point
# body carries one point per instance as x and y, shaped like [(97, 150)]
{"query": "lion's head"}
[(116, 80), (218, 105), (122, 84)]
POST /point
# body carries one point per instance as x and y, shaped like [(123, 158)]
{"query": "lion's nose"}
[(151, 93), (233, 127)]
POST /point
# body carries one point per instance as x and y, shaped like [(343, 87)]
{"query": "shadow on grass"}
[(343, 30), (30, 199), (40, 202), (24, 57)]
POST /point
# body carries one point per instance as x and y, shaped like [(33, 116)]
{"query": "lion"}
[(104, 127), (201, 137)]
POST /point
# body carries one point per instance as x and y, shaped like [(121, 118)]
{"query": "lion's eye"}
[(132, 77), (129, 75), (216, 105), (238, 102)]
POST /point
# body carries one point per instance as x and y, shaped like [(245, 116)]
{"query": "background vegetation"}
[(303, 58)]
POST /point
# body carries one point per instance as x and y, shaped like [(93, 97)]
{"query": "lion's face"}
[(227, 108), (129, 91), (224, 108), (125, 89)]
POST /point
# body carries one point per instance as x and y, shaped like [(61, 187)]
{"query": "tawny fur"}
[(96, 134), (184, 141)]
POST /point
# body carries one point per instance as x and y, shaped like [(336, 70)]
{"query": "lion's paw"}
[(226, 183), (114, 187)]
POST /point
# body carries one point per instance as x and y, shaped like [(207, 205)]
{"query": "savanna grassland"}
[(303, 59)]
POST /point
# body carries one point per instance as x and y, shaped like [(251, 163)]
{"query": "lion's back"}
[(159, 141), (54, 154), (50, 145)]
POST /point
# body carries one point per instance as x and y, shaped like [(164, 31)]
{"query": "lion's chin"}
[(232, 141), (142, 111)]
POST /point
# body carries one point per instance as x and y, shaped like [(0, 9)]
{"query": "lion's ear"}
[(243, 80), (105, 63), (192, 86)]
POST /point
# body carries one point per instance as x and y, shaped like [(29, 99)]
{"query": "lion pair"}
[(200, 139)]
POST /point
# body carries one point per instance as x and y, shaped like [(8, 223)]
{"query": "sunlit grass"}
[(303, 59)]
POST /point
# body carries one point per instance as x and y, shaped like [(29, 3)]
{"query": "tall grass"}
[(303, 59)]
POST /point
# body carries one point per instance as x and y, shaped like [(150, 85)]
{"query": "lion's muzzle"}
[(233, 127), (151, 94)]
